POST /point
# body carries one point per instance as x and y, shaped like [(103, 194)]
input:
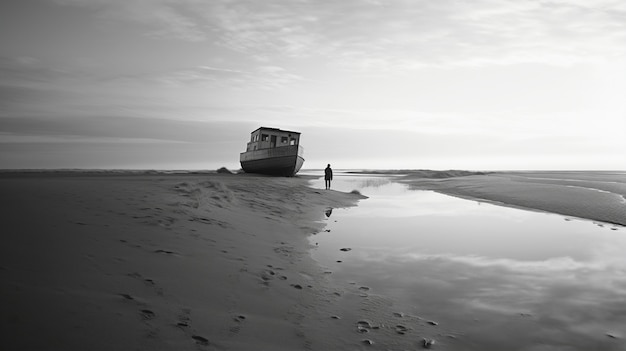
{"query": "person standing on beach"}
[(328, 176)]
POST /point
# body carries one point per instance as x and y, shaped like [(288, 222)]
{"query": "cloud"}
[(201, 75), (268, 28), (178, 25), (393, 35), (264, 77), (119, 142), (161, 18), (15, 97), (26, 84), (8, 138), (109, 127), (27, 70)]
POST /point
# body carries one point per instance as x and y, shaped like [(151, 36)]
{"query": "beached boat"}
[(273, 151)]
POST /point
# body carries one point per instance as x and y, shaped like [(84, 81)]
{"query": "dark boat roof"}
[(276, 130)]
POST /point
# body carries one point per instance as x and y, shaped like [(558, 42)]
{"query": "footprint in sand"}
[(284, 250), (268, 275), (276, 268), (401, 329), (147, 314), (164, 251), (363, 326), (127, 296), (237, 328), (201, 340), (428, 343), (183, 319)]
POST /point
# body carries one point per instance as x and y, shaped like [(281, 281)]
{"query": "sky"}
[(373, 84)]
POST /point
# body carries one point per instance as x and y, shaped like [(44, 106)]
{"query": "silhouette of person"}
[(328, 176)]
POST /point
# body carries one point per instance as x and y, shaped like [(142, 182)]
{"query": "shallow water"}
[(496, 278)]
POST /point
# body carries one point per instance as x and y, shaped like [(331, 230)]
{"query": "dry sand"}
[(163, 262)]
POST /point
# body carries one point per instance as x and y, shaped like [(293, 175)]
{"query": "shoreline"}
[(602, 200), (519, 207), (525, 208)]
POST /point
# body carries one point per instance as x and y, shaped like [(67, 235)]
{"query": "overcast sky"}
[(446, 84)]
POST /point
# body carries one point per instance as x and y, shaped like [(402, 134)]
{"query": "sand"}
[(162, 262), (148, 261), (598, 196)]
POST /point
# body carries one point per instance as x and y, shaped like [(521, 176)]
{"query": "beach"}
[(118, 261), (207, 261)]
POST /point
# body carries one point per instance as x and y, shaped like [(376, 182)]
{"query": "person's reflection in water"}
[(329, 211)]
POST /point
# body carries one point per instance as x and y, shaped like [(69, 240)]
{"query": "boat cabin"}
[(268, 138)]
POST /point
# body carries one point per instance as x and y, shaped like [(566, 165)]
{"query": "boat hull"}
[(280, 161)]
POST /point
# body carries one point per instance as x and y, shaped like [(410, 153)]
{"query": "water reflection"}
[(507, 278)]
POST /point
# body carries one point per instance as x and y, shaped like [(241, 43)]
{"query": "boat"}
[(273, 151)]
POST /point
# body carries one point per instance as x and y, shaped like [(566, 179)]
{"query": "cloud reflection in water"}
[(505, 278)]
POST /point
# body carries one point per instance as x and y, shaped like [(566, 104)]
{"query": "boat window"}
[(256, 137), (283, 140), (292, 142), (265, 137)]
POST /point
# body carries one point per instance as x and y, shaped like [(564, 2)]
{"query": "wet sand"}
[(599, 196)]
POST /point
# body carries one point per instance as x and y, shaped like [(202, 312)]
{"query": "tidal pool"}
[(500, 278)]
